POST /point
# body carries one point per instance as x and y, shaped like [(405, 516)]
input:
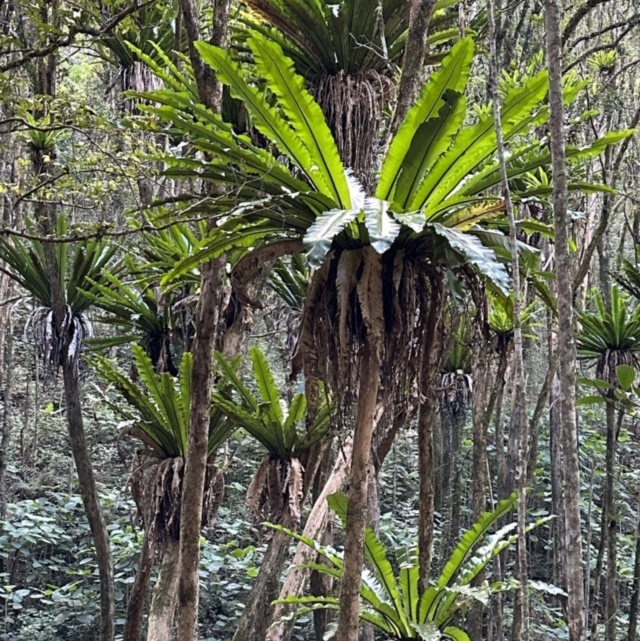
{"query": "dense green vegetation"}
[(319, 320)]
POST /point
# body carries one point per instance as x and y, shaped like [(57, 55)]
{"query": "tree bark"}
[(138, 597), (431, 319), (316, 524), (7, 426), (415, 53), (207, 311), (46, 216), (519, 418), (611, 523), (566, 342), (635, 596), (370, 289), (165, 592), (257, 611)]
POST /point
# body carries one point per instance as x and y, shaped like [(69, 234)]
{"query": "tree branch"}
[(577, 17), (74, 31)]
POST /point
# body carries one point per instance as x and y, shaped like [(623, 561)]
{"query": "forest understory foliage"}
[(319, 320)]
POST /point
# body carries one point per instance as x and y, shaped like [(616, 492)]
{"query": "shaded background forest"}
[(88, 155)]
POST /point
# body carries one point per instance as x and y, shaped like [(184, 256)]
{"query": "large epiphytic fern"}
[(81, 267), (350, 37), (392, 602), (158, 418), (160, 405), (610, 336), (286, 435), (435, 182)]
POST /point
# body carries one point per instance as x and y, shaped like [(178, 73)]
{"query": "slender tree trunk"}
[(138, 598), (7, 426), (370, 295), (321, 584), (439, 458), (596, 602), (456, 480), (431, 320), (165, 593), (587, 577), (206, 320), (316, 524), (566, 343), (481, 417), (257, 611), (414, 57), (520, 423), (635, 595), (557, 484), (501, 457), (46, 216), (611, 523)]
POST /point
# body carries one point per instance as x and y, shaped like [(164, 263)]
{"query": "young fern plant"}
[(610, 337), (81, 267), (136, 312), (286, 434), (159, 419), (391, 601)]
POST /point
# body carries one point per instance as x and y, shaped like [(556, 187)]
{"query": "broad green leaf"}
[(595, 382), (246, 421), (470, 540), (477, 144), (265, 117), (297, 412), (320, 235), (453, 74), (483, 258), (455, 634), (431, 139), (382, 229), (267, 387), (590, 400), (304, 114), (626, 376)]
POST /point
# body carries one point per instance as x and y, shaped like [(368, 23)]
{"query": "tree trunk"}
[(138, 598), (7, 427), (46, 217), (348, 620), (481, 417), (635, 596), (566, 343), (165, 592), (315, 526), (256, 616), (431, 320), (456, 482), (519, 419), (321, 584), (611, 523), (415, 53), (207, 311), (557, 485)]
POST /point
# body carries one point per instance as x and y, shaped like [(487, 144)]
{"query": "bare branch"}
[(577, 17), (64, 41)]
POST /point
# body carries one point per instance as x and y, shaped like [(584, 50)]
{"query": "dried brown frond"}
[(394, 296), (255, 492), (293, 485), (213, 495)]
